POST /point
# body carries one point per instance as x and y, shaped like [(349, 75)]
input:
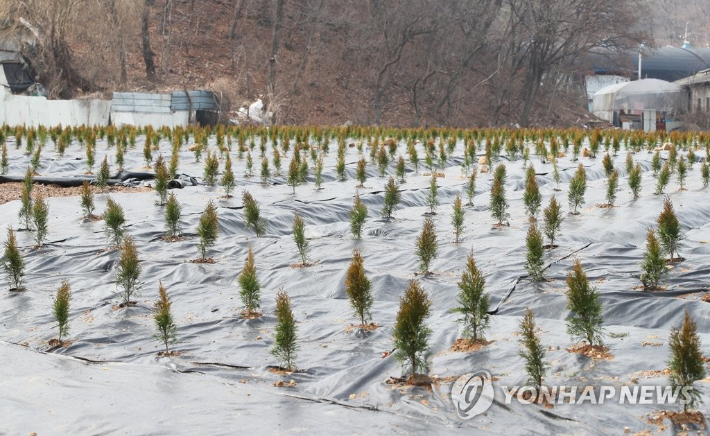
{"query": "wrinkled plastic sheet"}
[(222, 382)]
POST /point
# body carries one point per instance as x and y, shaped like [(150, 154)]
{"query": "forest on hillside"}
[(390, 62)]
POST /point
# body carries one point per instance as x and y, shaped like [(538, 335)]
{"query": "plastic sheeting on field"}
[(110, 379)]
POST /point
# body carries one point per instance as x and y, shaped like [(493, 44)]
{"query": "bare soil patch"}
[(463, 345), (595, 352), (12, 191)]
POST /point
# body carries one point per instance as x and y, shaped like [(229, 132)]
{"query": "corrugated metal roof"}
[(667, 63)]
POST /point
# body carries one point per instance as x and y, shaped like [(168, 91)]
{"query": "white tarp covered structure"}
[(638, 96)]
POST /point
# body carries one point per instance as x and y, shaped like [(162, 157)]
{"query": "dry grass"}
[(595, 352)]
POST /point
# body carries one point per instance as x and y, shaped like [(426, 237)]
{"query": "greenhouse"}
[(648, 104)]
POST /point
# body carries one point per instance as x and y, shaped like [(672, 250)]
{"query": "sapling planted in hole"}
[(249, 286), (553, 220), (87, 200), (457, 218), (299, 237), (173, 212), (686, 364), (654, 263), (433, 195), (534, 258), (358, 288), (358, 215), (40, 217), (114, 221), (61, 309), (669, 229), (635, 180), (128, 271), (13, 264), (104, 174), (285, 346), (252, 213), (392, 198), (533, 352), (411, 334), (165, 328), (585, 321), (473, 302), (207, 229), (426, 245), (228, 181)]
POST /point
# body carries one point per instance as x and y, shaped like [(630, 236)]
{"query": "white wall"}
[(33, 111), (173, 119)]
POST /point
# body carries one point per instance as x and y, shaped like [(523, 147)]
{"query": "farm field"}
[(110, 374)]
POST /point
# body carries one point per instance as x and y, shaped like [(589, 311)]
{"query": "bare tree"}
[(148, 55)]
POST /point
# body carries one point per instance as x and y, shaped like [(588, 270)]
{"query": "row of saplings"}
[(411, 334)]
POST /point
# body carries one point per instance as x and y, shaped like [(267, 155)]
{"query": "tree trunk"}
[(278, 19), (238, 5), (148, 54)]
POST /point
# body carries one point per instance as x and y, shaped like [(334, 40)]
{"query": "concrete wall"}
[(700, 97), (33, 111), (171, 119)]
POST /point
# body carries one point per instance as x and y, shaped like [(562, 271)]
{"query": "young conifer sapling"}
[(249, 286), (654, 262), (533, 352), (13, 264), (285, 345), (585, 322), (553, 221), (426, 245), (40, 218), (165, 328), (207, 229), (358, 215), (669, 229), (173, 212), (128, 271), (686, 363), (473, 302), (299, 237), (358, 288), (457, 218), (252, 214), (114, 221), (411, 334), (392, 198), (61, 309)]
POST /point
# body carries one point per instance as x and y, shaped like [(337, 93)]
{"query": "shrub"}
[(13, 264), (691, 158), (426, 245), (251, 213), (40, 216), (457, 218), (104, 174), (471, 186), (635, 180), (499, 205), (663, 179), (162, 178), (208, 228), (607, 164), (249, 285), (285, 345), (401, 169), (656, 163), (535, 262), (705, 174), (532, 197), (293, 179), (653, 265), (682, 172), (61, 309), (669, 229), (358, 215), (392, 198), (433, 195), (358, 288), (361, 173), (299, 237), (553, 220), (533, 352), (87, 200), (577, 187), (128, 271), (173, 212), (166, 330), (411, 334), (114, 221), (611, 184), (228, 181), (686, 363), (211, 168), (585, 321), (473, 302)]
